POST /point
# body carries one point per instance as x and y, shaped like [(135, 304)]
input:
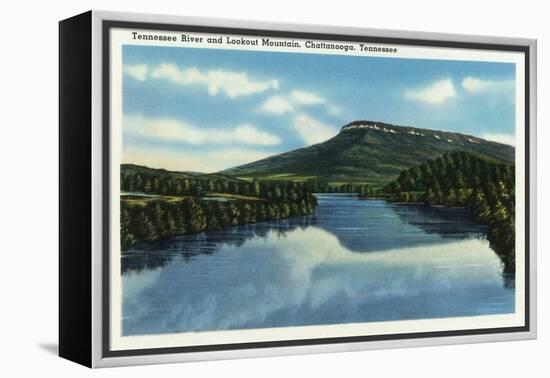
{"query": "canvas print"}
[(269, 189)]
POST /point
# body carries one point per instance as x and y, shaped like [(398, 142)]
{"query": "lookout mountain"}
[(372, 152)]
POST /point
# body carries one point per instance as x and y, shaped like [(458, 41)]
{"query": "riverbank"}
[(500, 232), (155, 217)]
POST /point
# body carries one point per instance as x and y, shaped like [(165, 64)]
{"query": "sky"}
[(205, 110)]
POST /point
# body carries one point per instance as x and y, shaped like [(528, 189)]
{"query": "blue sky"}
[(207, 110)]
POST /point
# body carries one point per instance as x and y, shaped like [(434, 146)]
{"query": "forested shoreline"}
[(319, 186), (485, 188), (157, 204)]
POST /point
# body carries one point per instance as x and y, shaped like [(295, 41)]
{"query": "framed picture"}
[(233, 189)]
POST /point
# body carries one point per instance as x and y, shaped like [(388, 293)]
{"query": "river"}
[(352, 261)]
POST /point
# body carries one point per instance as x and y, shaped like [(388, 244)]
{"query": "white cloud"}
[(250, 135), (508, 139), (291, 102), (277, 105), (170, 130), (475, 85), (136, 71), (306, 98), (311, 130), (202, 161), (436, 93), (472, 84), (334, 110), (233, 84)]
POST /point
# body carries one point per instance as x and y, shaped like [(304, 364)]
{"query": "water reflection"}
[(354, 261), (374, 225), (157, 254), (453, 223)]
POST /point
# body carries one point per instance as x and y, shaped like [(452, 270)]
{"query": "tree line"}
[(189, 210), (203, 244), (198, 186), (143, 180), (159, 219), (317, 186), (485, 188)]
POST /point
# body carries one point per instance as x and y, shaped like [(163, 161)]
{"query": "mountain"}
[(133, 170), (370, 152)]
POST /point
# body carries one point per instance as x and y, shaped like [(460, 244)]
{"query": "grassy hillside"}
[(369, 152), (127, 170)]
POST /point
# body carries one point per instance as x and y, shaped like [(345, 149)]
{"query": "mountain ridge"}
[(371, 152)]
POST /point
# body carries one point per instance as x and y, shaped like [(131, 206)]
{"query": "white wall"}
[(28, 148)]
